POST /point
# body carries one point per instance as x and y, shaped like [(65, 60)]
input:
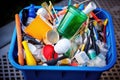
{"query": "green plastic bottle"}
[(71, 22)]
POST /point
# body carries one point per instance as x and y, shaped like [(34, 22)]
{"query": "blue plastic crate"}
[(67, 72)]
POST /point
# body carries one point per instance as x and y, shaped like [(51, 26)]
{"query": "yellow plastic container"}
[(38, 28)]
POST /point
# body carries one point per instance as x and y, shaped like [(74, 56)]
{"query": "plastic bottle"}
[(30, 60), (81, 58), (31, 14)]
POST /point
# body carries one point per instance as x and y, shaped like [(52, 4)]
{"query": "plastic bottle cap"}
[(32, 12), (91, 6), (92, 54), (81, 7)]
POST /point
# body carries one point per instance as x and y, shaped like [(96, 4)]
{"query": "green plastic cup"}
[(71, 22)]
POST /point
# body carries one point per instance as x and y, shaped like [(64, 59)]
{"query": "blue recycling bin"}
[(67, 72)]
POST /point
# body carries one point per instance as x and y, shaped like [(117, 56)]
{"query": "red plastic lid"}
[(49, 53)]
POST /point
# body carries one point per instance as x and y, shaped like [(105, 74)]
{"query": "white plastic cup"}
[(52, 37)]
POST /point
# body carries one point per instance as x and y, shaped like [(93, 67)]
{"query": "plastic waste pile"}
[(72, 36)]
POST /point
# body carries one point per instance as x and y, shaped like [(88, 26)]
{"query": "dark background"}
[(8, 8)]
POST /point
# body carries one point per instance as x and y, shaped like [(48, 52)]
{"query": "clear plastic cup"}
[(71, 22)]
